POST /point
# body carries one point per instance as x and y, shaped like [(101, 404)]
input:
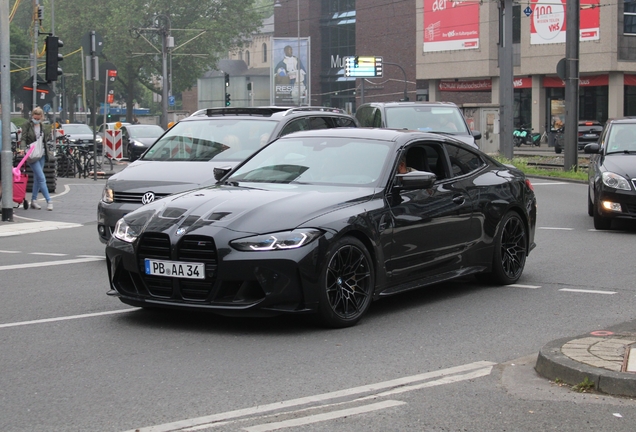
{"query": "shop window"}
[(629, 18), (247, 58), (264, 53)]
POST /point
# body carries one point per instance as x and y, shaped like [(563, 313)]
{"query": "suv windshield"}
[(427, 119), (220, 139)]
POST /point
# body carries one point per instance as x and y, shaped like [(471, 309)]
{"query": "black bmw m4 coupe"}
[(325, 222)]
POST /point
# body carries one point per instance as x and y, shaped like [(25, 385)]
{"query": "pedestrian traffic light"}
[(227, 80), (227, 99), (53, 56)]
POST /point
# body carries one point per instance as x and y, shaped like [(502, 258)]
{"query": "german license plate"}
[(177, 269)]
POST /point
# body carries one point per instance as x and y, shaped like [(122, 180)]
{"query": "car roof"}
[(407, 103), (622, 120), (133, 126), (382, 134), (274, 112)]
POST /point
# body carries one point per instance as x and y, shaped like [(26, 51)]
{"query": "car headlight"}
[(137, 143), (125, 232), (107, 195), (615, 181), (98, 139), (277, 241)]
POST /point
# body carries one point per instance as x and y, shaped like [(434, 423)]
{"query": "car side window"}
[(316, 123), (463, 161), (338, 122), (300, 124)]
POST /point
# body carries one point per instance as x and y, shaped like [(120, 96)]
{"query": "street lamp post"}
[(298, 52)]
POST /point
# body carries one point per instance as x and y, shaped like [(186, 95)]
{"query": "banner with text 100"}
[(450, 25), (547, 21)]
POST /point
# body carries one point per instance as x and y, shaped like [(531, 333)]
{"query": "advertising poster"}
[(547, 21), (450, 25), (290, 71)]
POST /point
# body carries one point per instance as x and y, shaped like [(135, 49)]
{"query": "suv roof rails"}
[(259, 111), (265, 111)]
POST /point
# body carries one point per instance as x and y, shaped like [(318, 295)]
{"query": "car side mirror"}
[(476, 134), (221, 172), (415, 180), (592, 148)]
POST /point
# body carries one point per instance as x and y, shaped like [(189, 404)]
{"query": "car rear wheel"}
[(511, 248), (347, 282), (600, 222)]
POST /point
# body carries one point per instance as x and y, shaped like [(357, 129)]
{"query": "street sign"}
[(560, 69), (527, 11), (363, 66), (171, 100), (87, 45)]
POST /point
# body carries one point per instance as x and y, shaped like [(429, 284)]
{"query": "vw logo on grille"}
[(148, 198)]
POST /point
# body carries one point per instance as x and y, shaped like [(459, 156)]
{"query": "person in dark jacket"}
[(32, 132)]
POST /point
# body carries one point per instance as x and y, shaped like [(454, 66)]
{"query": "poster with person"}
[(290, 71)]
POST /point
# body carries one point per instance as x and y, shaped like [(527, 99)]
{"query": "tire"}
[(516, 142), (590, 204), (557, 150), (346, 284), (600, 222), (511, 250)]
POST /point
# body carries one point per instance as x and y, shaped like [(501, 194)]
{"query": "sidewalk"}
[(606, 359), (74, 204)]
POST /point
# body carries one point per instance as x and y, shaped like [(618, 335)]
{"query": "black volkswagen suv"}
[(185, 156)]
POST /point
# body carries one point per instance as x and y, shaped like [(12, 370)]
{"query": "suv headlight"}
[(277, 241), (107, 195), (615, 181)]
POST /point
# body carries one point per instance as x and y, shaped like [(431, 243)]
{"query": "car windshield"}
[(622, 139), (149, 131), (221, 139), (342, 161), (426, 118), (76, 129)]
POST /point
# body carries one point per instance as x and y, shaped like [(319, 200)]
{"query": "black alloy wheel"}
[(347, 283), (511, 249)]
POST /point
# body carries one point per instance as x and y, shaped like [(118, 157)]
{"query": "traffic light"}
[(227, 99), (53, 57), (227, 80)]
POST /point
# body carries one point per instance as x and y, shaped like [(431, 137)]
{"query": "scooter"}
[(524, 135)]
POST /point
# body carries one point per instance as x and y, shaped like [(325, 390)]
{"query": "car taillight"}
[(529, 184)]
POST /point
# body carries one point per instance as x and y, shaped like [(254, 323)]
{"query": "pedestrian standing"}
[(33, 134)]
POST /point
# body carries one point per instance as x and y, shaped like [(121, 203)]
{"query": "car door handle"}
[(459, 199)]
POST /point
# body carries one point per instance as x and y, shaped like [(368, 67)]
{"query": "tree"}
[(203, 30)]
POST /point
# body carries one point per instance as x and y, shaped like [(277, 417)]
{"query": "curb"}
[(553, 364)]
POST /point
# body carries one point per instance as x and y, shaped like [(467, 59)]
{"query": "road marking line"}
[(192, 422), (34, 227), (524, 286), (9, 252), (587, 291), (557, 228), (324, 417), (91, 256), (67, 189), (66, 318), (551, 184), (47, 254), (49, 263)]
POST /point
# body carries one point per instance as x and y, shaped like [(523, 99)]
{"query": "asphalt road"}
[(457, 356)]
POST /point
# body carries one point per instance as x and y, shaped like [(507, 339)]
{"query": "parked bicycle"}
[(79, 159)]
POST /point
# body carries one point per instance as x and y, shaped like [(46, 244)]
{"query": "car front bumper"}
[(627, 200), (236, 283)]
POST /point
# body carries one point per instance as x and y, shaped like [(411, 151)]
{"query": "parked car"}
[(186, 155), (589, 131), (16, 134), (137, 138), (80, 133), (612, 174), (440, 117), (323, 222)]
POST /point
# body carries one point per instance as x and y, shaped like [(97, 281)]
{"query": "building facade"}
[(443, 50)]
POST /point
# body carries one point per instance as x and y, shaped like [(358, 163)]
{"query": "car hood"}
[(622, 164), (165, 177), (251, 211), (83, 137)]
